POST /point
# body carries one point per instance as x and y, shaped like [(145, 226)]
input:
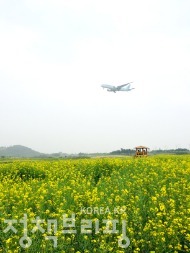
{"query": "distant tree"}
[(178, 151), (123, 151)]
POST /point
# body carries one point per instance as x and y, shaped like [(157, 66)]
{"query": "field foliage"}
[(151, 194)]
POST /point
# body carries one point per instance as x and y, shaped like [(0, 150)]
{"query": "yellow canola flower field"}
[(95, 205)]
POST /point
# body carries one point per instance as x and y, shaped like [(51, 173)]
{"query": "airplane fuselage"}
[(115, 88), (128, 88), (109, 87)]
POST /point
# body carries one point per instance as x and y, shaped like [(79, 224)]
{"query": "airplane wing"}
[(123, 85)]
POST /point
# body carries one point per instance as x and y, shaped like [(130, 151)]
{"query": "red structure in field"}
[(141, 151)]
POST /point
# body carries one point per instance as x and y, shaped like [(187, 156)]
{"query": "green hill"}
[(19, 151)]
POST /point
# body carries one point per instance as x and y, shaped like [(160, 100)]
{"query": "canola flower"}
[(151, 195)]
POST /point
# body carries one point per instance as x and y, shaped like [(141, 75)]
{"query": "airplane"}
[(111, 88)]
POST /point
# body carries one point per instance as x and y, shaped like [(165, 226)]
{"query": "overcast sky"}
[(55, 54)]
